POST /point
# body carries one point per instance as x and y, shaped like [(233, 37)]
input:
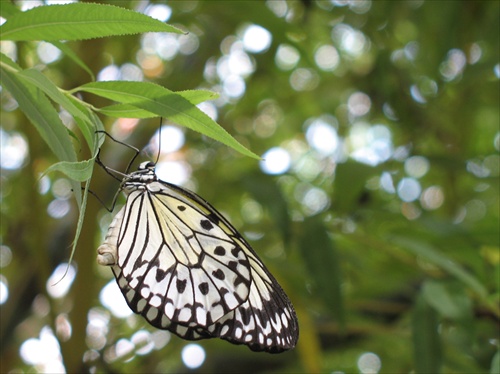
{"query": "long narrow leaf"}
[(131, 111), (321, 258), (44, 117), (72, 55), (165, 103), (426, 341), (46, 85), (79, 21)]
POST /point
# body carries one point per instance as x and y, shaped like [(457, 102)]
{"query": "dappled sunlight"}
[(43, 352), (377, 128)]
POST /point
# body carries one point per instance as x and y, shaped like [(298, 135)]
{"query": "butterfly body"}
[(181, 265)]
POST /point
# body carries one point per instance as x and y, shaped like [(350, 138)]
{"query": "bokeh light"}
[(5, 255), (323, 137), (58, 208), (111, 297), (369, 363), (432, 198), (60, 280), (48, 53), (304, 79), (4, 290), (275, 161), (409, 189), (43, 352), (193, 356), (256, 39), (13, 150), (359, 104), (417, 166), (176, 172), (286, 57), (327, 57), (160, 12), (172, 139)]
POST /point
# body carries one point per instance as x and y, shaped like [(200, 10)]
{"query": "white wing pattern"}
[(182, 266)]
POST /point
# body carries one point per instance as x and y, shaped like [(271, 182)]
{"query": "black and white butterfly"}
[(182, 266)]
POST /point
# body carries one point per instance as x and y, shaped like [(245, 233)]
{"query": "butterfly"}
[(182, 266)]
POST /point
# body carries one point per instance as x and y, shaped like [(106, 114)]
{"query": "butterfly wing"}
[(183, 266), (266, 321)]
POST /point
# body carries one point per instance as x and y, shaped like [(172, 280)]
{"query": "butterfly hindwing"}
[(182, 266)]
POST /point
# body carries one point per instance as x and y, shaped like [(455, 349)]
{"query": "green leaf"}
[(44, 117), (79, 21), (80, 171), (8, 9), (73, 56), (268, 194), (431, 254), (426, 340), (449, 299), (321, 259), (495, 364), (347, 195), (8, 63), (130, 111), (39, 80), (165, 103)]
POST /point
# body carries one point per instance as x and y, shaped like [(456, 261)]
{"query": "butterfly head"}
[(144, 174), (147, 165)]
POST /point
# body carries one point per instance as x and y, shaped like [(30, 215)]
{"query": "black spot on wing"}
[(160, 274), (181, 285), (206, 224), (219, 251), (219, 274), (203, 288), (214, 218)]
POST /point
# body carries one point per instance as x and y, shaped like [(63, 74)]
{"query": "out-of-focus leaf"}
[(318, 251), (426, 340), (309, 345), (431, 254), (268, 194), (448, 299), (8, 9), (495, 364), (349, 186), (165, 103), (79, 21), (72, 55)]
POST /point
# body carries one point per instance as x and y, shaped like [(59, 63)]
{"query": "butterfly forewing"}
[(181, 265)]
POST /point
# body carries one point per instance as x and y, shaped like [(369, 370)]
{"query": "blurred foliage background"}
[(377, 205)]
